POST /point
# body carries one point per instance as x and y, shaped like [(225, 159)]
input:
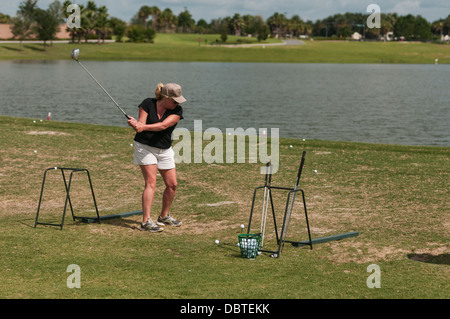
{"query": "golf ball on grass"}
[(216, 241)]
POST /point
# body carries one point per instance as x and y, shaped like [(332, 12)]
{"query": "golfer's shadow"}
[(123, 222)]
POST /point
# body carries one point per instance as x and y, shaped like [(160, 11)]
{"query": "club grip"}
[(302, 162)]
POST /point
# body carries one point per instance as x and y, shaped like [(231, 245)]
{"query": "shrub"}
[(138, 33)]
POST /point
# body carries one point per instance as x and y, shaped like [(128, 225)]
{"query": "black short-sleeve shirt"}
[(160, 139)]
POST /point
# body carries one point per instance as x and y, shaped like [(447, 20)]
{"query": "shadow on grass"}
[(35, 47), (39, 47), (12, 49), (442, 259), (30, 223), (122, 222)]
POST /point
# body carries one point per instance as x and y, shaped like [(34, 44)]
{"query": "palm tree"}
[(297, 25), (143, 14), (388, 22), (237, 23), (167, 22), (154, 12), (102, 27), (277, 23), (185, 21), (308, 27), (66, 14)]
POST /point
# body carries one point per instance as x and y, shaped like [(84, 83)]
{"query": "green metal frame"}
[(67, 188), (322, 240), (280, 238), (95, 219)]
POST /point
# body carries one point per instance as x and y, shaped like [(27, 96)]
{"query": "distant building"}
[(6, 34)]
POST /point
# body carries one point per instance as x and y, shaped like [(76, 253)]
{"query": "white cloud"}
[(406, 7)]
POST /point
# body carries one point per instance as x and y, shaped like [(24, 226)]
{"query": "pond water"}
[(379, 103)]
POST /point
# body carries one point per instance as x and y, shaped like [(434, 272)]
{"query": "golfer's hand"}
[(139, 127), (136, 125), (131, 121)]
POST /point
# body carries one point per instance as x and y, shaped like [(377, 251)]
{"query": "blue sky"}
[(306, 9)]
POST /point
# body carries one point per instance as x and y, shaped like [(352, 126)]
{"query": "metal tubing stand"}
[(281, 239), (68, 201)]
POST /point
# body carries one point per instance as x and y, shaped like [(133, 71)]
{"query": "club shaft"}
[(267, 195), (118, 106), (291, 204)]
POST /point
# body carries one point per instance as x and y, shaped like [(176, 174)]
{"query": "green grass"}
[(184, 47), (395, 196)]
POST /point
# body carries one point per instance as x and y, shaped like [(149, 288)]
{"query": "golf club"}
[(265, 201), (291, 204), (75, 54)]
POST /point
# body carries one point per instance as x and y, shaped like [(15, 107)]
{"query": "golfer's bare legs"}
[(170, 180), (149, 173)]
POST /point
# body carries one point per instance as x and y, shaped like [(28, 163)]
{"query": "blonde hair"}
[(158, 94)]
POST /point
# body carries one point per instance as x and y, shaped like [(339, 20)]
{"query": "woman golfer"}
[(153, 150)]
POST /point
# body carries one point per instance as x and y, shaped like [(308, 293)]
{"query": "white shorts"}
[(149, 155)]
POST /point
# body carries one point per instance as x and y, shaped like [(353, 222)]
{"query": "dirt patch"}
[(48, 133), (351, 251), (219, 204), (321, 153)]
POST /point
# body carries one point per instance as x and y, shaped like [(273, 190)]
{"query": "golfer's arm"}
[(171, 120)]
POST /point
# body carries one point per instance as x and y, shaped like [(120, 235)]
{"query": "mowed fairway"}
[(182, 47), (396, 197)]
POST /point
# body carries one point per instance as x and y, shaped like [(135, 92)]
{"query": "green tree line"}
[(96, 23)]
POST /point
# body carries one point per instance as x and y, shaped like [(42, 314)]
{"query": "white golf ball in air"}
[(242, 226), (315, 171), (217, 241)]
